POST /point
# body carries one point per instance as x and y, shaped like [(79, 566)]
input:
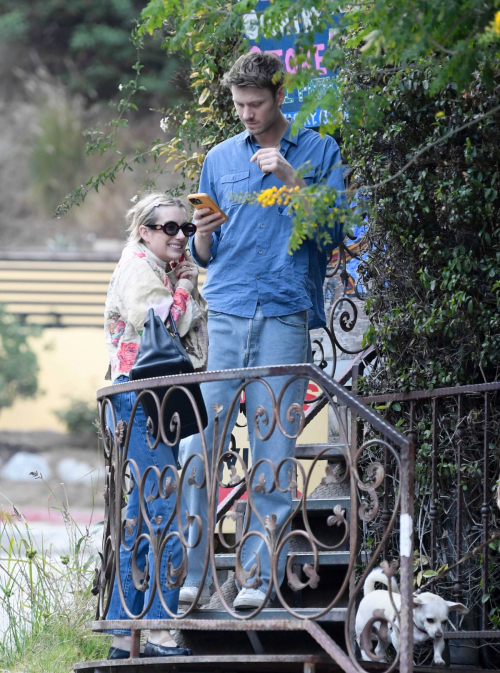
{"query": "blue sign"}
[(284, 47)]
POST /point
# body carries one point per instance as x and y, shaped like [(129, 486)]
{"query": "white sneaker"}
[(187, 596), (248, 599)]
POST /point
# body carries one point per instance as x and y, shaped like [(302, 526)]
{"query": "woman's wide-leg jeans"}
[(157, 508)]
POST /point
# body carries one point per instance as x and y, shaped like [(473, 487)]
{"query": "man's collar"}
[(241, 137), (290, 137)]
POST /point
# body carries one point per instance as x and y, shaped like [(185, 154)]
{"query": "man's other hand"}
[(270, 160)]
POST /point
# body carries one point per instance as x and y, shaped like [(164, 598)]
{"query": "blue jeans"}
[(242, 342), (139, 451)]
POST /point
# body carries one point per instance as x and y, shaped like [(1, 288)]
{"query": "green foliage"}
[(56, 154), (209, 37), (79, 416), (206, 118), (13, 25), (418, 104), (18, 363), (47, 599), (448, 40), (435, 234), (86, 44)]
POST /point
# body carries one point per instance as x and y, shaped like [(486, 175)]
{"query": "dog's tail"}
[(378, 575)]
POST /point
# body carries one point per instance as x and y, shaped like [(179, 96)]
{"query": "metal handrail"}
[(336, 395)]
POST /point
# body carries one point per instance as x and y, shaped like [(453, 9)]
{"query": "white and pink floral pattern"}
[(142, 281)]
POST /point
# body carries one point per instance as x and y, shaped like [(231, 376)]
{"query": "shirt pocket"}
[(234, 185), (310, 176)]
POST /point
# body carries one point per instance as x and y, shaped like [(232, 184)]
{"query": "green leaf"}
[(204, 95)]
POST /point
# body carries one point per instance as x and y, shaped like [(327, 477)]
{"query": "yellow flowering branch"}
[(496, 24), (273, 196)]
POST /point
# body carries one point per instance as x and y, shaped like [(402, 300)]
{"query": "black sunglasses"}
[(171, 228)]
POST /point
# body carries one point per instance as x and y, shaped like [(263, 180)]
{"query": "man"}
[(259, 297)]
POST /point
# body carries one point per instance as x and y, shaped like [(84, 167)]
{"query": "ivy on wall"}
[(433, 272)]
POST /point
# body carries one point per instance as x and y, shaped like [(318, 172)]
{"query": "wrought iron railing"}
[(457, 519), (324, 570)]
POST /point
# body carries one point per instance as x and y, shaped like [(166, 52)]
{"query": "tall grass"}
[(57, 151), (46, 605)]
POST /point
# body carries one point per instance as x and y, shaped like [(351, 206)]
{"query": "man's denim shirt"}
[(249, 259)]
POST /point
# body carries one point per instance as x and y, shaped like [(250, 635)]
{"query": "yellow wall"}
[(73, 363)]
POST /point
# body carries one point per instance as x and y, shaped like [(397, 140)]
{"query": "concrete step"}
[(324, 504), (334, 615), (228, 561), (310, 451), (292, 663)]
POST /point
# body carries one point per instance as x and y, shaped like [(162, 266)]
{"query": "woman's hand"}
[(187, 273)]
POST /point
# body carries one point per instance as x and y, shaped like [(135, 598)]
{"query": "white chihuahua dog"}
[(430, 614)]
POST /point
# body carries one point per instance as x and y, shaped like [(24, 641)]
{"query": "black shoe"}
[(152, 650), (118, 653)]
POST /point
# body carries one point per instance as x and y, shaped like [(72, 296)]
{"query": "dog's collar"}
[(415, 625), (419, 629)]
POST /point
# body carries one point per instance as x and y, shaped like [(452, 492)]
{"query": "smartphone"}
[(181, 259), (204, 201)]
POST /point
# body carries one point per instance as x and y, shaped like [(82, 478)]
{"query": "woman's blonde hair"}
[(144, 212)]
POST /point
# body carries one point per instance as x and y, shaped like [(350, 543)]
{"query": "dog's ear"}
[(458, 607), (417, 601)]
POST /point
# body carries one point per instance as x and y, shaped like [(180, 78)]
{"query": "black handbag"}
[(161, 353)]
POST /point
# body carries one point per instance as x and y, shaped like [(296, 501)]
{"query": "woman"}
[(155, 271)]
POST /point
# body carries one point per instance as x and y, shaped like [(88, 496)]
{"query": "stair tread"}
[(324, 557), (336, 614), (326, 552), (230, 662)]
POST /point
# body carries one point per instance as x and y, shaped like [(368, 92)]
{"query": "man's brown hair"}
[(261, 69)]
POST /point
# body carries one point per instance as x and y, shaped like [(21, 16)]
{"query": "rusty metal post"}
[(354, 540), (386, 517), (458, 586), (485, 510), (406, 548), (433, 511), (135, 643)]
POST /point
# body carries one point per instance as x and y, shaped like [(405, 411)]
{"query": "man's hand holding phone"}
[(207, 221), (208, 217)]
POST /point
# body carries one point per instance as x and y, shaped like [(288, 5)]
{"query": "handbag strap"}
[(172, 323)]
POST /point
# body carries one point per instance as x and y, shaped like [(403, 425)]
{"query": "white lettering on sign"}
[(253, 22)]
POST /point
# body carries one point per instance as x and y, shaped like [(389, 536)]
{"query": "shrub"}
[(80, 416), (434, 267), (18, 363)]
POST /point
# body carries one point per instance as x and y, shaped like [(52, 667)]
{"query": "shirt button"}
[(260, 252), (262, 226), (258, 277)]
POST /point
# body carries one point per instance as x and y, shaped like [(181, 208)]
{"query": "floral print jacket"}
[(142, 281)]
